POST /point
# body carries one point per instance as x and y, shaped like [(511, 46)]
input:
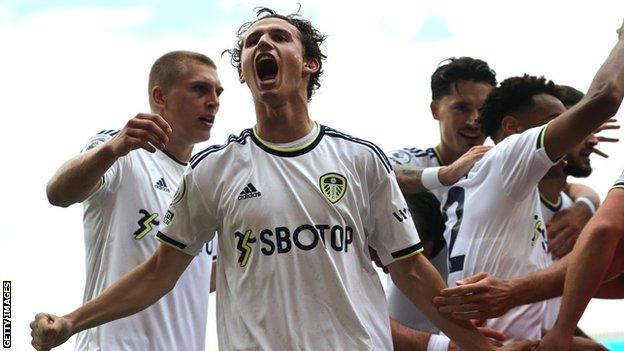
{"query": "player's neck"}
[(550, 188), (445, 155), (283, 123), (179, 149)]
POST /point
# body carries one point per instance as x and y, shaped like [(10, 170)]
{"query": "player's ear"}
[(241, 79), (311, 66), (434, 109), (157, 96), (510, 125)]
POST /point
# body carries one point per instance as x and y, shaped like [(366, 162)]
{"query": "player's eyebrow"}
[(257, 33)]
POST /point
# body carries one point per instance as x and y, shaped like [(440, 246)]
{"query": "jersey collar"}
[(175, 159), (289, 152)]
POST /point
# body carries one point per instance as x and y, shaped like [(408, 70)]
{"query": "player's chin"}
[(201, 135), (470, 142)]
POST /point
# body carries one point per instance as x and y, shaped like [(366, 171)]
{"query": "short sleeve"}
[(522, 162), (190, 222), (112, 178), (393, 234), (619, 183), (411, 156)]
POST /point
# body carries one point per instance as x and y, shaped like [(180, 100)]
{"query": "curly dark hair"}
[(514, 95), (311, 40), (454, 69), (569, 96)]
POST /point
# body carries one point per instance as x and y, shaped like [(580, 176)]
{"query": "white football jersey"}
[(548, 211), (619, 183), (419, 158), (494, 223), (294, 228), (399, 305), (121, 220), (549, 208)]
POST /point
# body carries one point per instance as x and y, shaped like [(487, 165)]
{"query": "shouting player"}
[(296, 205)]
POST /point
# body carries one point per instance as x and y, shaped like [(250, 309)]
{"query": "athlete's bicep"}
[(168, 262)]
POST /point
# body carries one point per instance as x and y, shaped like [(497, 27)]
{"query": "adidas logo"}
[(249, 192), (161, 185)]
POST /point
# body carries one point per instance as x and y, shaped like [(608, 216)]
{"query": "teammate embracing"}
[(493, 218), (294, 268), (126, 179), (458, 87)]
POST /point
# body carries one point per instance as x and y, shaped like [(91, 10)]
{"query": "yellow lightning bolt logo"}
[(145, 224), (244, 247)]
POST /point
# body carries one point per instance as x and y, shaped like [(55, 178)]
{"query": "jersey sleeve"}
[(412, 157), (392, 232), (112, 178), (190, 221), (619, 183), (522, 162)]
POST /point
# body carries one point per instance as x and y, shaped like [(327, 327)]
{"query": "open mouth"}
[(266, 67)]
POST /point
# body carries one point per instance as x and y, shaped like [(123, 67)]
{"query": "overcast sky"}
[(69, 70)]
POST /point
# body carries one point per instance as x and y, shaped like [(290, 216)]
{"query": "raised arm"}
[(589, 264), (81, 176), (601, 102), (135, 291)]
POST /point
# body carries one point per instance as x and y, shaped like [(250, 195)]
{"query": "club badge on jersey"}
[(333, 186)]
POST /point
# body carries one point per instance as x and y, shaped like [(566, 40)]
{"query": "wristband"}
[(438, 343), (587, 202), (429, 178)]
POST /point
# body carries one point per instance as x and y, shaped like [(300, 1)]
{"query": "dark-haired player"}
[(595, 268), (294, 268), (493, 219), (567, 207), (125, 180), (459, 87)]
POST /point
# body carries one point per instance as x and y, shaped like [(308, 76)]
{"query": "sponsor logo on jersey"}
[(401, 214), (168, 217), (162, 185), (249, 192), (400, 156), (333, 186), (146, 224), (282, 240), (539, 231)]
